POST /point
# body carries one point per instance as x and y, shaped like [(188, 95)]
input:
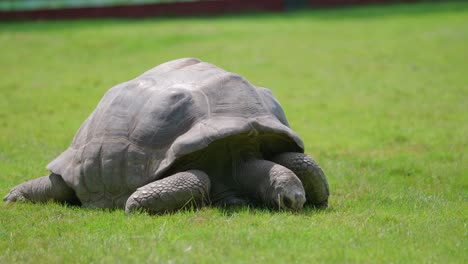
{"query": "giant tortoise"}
[(185, 132)]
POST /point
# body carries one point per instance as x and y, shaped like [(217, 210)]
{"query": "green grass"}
[(378, 94)]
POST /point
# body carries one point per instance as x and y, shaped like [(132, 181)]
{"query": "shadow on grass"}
[(224, 211), (233, 210)]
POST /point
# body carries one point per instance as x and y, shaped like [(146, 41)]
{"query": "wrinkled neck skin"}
[(250, 176), (224, 162)]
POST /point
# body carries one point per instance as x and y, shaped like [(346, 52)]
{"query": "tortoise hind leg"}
[(43, 189), (171, 193), (311, 175)]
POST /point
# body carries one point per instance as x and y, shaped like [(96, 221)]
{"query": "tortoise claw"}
[(14, 196)]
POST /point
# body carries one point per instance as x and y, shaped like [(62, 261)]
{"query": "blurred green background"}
[(8, 5)]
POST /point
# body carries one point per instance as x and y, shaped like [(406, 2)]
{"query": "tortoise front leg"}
[(311, 175), (171, 193), (43, 189)]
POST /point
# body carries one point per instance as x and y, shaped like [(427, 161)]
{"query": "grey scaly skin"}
[(43, 189), (171, 193), (311, 175), (274, 185), (270, 183)]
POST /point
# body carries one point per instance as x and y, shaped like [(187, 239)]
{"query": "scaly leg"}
[(310, 174), (171, 193), (43, 189)]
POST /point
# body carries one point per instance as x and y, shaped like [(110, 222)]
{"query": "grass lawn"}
[(378, 94)]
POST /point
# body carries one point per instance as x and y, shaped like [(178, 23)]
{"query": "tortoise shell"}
[(140, 128)]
